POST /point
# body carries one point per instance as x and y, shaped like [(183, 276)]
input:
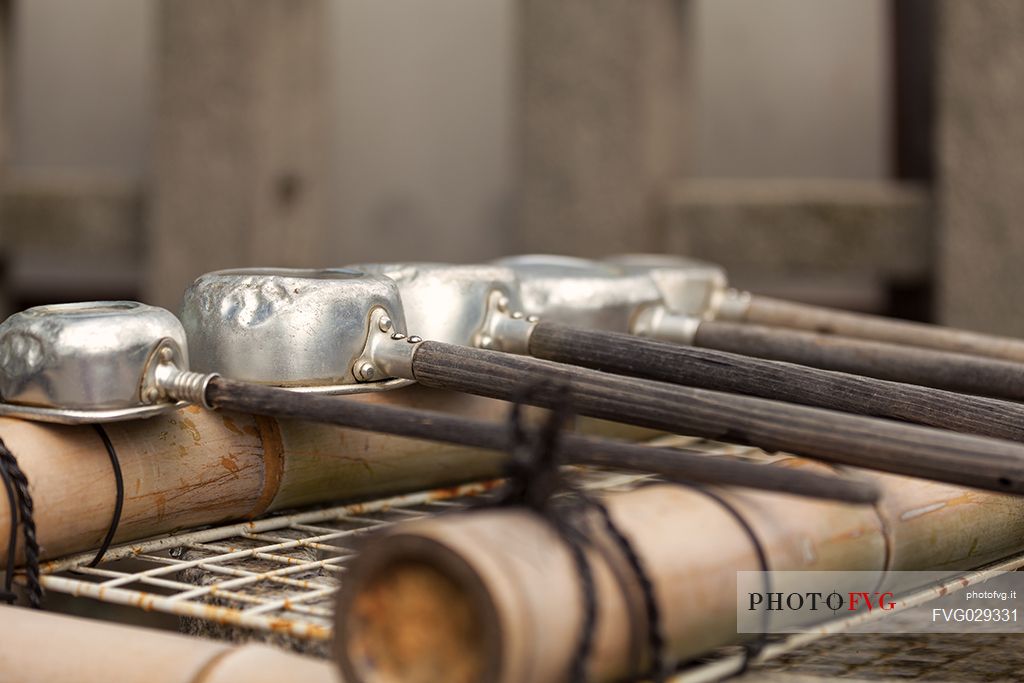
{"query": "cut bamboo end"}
[(521, 586), (517, 579), (422, 615)]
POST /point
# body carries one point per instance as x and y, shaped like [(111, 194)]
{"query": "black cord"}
[(753, 649), (7, 594), (16, 479), (659, 670), (578, 665), (118, 503), (534, 477)]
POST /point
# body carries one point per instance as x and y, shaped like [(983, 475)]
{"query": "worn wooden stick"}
[(775, 426), (674, 464), (734, 373), (948, 370), (778, 313)]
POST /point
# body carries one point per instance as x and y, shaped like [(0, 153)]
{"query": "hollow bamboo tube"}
[(948, 370), (514, 584), (778, 313), (39, 647), (194, 467)]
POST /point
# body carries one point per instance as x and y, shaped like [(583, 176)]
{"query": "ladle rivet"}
[(384, 324), (398, 335), (414, 339), (367, 372)]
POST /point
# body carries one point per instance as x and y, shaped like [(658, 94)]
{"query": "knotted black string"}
[(20, 500), (534, 477), (753, 649)]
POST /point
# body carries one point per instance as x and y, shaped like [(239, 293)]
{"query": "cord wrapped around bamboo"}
[(495, 596), (37, 647), (194, 467)]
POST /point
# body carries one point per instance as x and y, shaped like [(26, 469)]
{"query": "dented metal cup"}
[(83, 362), (298, 328), (582, 293), (664, 297), (468, 305)]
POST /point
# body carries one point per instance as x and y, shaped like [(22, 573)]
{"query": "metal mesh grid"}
[(277, 574)]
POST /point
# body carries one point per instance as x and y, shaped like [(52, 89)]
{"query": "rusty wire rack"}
[(279, 575)]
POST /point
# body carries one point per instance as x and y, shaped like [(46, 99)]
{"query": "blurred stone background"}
[(859, 153)]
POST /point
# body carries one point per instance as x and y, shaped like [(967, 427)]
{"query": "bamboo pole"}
[(514, 589), (36, 647), (195, 467)]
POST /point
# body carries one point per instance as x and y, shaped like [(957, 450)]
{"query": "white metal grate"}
[(277, 574)]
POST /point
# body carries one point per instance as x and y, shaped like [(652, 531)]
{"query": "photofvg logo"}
[(878, 602), (815, 601)]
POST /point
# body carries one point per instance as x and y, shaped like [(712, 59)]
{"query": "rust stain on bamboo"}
[(269, 433), (191, 428), (229, 463), (230, 424), (160, 502)]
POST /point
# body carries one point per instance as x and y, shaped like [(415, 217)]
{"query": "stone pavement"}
[(886, 657)]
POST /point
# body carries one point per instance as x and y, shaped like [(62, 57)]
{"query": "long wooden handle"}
[(778, 313), (772, 425), (894, 362), (673, 464), (720, 371)]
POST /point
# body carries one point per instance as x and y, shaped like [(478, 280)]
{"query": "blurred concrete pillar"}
[(5, 47), (980, 179), (604, 88), (5, 104), (240, 140)]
